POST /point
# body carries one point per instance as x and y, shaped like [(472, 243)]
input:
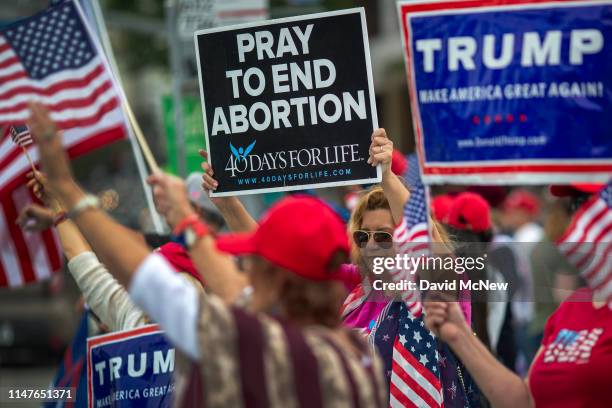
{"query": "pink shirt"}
[(364, 317)]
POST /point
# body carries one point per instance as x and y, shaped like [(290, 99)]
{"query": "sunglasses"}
[(382, 238)]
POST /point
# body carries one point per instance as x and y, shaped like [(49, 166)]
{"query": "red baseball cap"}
[(469, 211), (522, 200), (572, 189), (179, 258), (300, 234), (441, 205), (399, 163)]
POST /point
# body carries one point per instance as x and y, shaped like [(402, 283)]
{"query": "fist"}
[(445, 320), (170, 195), (35, 218), (381, 150)]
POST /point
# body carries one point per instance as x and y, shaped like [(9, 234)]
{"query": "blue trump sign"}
[(512, 93), (130, 369)]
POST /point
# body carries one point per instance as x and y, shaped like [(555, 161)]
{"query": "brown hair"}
[(307, 301), (372, 199), (314, 302)]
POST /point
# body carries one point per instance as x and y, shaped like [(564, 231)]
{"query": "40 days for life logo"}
[(241, 159)]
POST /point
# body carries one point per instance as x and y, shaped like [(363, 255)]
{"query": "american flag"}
[(587, 243), (25, 257), (415, 377), (50, 58), (412, 236), (20, 135)]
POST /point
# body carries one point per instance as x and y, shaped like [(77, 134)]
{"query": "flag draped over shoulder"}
[(51, 58), (587, 243), (415, 378)]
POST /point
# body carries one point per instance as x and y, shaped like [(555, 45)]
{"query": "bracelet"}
[(189, 231), (184, 223), (85, 203), (59, 218)]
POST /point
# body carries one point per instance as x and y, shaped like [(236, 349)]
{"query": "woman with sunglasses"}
[(378, 229), (377, 226)]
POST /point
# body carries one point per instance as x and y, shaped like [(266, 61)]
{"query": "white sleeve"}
[(170, 300), (107, 298)]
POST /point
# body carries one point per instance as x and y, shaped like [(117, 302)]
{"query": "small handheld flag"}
[(21, 137)]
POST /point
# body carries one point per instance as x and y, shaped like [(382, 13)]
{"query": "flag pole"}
[(29, 158), (135, 134), (140, 138)]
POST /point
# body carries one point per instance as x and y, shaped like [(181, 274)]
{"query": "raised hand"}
[(170, 195), (381, 150), (37, 182), (36, 218), (208, 182), (53, 158), (445, 319)]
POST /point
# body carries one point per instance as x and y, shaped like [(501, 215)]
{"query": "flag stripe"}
[(587, 242), (590, 232), (591, 250), (582, 218), (65, 99), (105, 131), (403, 396), (88, 121), (21, 247), (8, 62), (64, 92), (39, 261), (597, 274), (6, 79), (68, 118), (10, 67), (428, 381), (409, 381), (8, 254), (74, 80), (64, 70)]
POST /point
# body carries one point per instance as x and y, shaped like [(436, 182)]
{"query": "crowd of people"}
[(282, 312)]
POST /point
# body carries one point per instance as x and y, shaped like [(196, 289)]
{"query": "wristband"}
[(59, 218), (85, 203), (189, 231), (184, 223)]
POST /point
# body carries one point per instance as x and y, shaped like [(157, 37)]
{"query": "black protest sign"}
[(288, 104)]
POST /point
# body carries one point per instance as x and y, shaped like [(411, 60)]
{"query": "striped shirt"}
[(236, 359)]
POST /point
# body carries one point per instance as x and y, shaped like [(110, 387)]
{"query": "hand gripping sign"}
[(132, 368), (288, 104), (514, 92)]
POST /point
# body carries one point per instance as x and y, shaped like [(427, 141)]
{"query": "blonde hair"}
[(372, 199)]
